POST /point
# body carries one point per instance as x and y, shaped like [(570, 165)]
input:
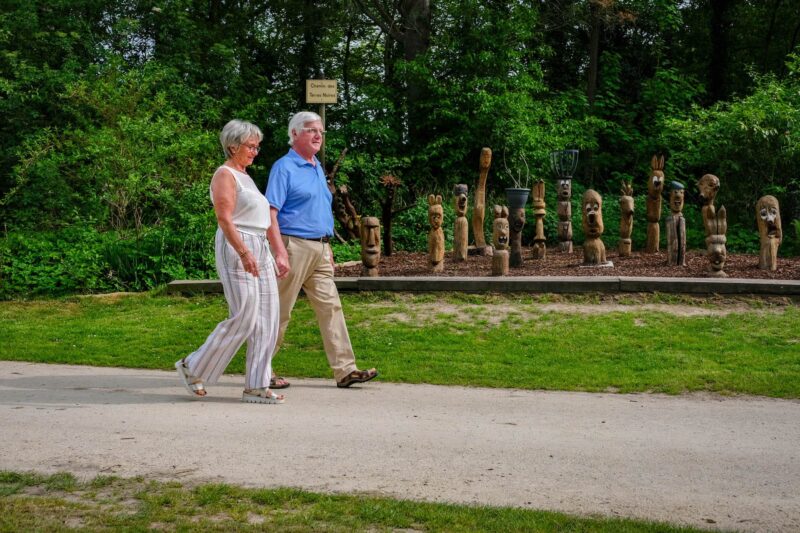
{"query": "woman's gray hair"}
[(298, 122), (236, 132)]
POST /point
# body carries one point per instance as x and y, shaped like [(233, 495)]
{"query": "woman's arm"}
[(223, 190), (275, 241)]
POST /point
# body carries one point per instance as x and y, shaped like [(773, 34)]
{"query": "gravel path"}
[(700, 460)]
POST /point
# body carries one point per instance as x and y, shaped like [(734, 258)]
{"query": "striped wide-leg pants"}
[(253, 315)]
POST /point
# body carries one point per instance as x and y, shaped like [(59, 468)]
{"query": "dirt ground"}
[(639, 264)]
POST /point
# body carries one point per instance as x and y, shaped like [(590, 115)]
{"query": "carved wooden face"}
[(717, 252), (370, 242), (708, 186), (655, 185), (676, 200), (768, 216), (564, 189), (516, 220), (592, 208), (500, 228), (460, 200)]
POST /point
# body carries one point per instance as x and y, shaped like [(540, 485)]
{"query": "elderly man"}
[(300, 232)]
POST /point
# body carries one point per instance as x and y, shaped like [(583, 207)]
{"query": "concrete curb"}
[(539, 284)]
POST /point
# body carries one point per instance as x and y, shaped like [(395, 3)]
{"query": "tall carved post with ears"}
[(516, 219), (539, 240), (716, 224), (479, 211), (435, 235), (594, 251), (655, 186), (676, 227), (461, 226), (370, 246), (500, 240), (625, 219), (770, 232)]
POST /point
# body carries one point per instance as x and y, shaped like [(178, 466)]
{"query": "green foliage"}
[(109, 113), (411, 227), (752, 143)]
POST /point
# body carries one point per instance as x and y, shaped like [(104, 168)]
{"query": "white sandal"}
[(192, 384), (261, 396)]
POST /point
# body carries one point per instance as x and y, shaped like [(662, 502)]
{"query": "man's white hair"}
[(298, 122)]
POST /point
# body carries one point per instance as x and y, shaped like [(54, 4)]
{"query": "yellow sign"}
[(320, 91)]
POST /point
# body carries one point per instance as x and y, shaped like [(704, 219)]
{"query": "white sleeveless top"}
[(251, 214)]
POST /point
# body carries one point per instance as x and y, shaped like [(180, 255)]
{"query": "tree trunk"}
[(718, 68)]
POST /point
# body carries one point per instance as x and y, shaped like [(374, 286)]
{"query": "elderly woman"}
[(247, 271)]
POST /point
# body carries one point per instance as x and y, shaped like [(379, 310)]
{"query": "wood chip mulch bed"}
[(639, 264)]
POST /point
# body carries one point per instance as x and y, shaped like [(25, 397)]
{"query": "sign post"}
[(321, 92)]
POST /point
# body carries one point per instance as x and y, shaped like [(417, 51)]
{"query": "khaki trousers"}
[(311, 270)]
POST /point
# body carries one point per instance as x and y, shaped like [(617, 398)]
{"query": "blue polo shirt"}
[(298, 190)]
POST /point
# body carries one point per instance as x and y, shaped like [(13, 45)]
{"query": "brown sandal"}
[(278, 382), (357, 376)]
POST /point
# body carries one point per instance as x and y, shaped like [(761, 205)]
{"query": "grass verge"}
[(32, 502), (655, 343)]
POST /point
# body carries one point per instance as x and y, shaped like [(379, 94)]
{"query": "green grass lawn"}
[(31, 502), (735, 347)]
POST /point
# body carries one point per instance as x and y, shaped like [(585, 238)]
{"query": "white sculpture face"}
[(769, 214)]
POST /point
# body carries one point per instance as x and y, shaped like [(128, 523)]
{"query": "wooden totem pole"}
[(539, 240), (435, 235), (675, 225), (716, 226), (479, 211), (655, 186), (516, 219), (625, 219), (564, 211), (770, 232), (500, 240), (594, 251), (461, 226), (370, 231)]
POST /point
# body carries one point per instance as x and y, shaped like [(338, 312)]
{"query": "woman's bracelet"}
[(242, 252)]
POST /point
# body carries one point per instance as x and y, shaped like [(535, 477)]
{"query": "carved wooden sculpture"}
[(768, 217), (436, 235), (716, 226), (479, 211), (675, 226), (564, 212), (708, 186), (461, 226), (500, 232), (370, 246), (539, 240), (655, 186), (516, 221), (594, 251), (625, 219)]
